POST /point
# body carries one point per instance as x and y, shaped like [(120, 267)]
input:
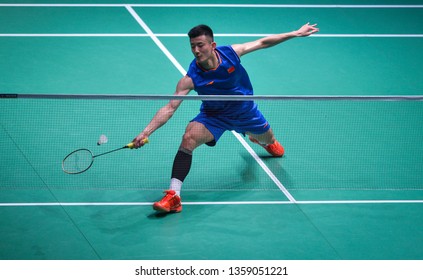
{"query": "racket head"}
[(78, 161)]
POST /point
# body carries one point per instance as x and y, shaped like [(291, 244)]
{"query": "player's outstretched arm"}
[(272, 40), (184, 86)]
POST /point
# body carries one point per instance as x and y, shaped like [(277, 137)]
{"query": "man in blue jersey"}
[(216, 71)]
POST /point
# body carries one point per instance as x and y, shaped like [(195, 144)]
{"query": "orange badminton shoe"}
[(275, 149), (169, 203)]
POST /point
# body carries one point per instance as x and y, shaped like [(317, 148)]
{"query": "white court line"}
[(313, 35), (73, 35), (264, 166), (305, 202), (183, 72), (216, 35), (305, 6), (366, 35), (156, 40)]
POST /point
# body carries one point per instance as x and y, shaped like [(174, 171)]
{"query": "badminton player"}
[(216, 70)]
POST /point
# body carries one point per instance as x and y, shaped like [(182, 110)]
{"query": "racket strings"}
[(78, 161)]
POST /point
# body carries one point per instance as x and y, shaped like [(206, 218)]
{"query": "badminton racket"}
[(81, 160)]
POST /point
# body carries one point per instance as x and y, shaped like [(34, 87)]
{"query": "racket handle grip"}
[(132, 146)]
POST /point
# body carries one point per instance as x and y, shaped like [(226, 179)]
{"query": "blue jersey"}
[(229, 78)]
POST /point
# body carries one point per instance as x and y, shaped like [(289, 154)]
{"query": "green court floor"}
[(349, 187)]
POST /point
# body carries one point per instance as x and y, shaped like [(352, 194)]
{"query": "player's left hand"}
[(307, 30)]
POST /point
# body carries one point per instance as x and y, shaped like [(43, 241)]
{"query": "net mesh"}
[(330, 144)]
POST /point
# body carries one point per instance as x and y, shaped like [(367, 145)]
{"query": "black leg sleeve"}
[(181, 165)]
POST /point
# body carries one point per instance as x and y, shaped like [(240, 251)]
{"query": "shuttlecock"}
[(102, 139)]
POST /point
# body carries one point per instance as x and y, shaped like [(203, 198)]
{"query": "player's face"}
[(203, 48)]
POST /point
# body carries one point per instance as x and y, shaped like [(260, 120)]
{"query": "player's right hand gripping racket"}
[(81, 160)]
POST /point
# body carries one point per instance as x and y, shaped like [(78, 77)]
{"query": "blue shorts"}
[(252, 121)]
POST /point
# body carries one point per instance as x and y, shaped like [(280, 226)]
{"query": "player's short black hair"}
[(199, 30)]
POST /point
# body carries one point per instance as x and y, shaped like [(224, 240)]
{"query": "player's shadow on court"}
[(249, 173), (159, 215), (275, 166)]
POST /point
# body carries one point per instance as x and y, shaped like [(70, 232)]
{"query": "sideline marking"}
[(216, 35), (309, 202)]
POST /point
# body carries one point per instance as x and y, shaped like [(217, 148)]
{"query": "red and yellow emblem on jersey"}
[(232, 69)]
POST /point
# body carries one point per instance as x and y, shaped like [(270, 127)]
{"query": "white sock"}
[(176, 186)]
